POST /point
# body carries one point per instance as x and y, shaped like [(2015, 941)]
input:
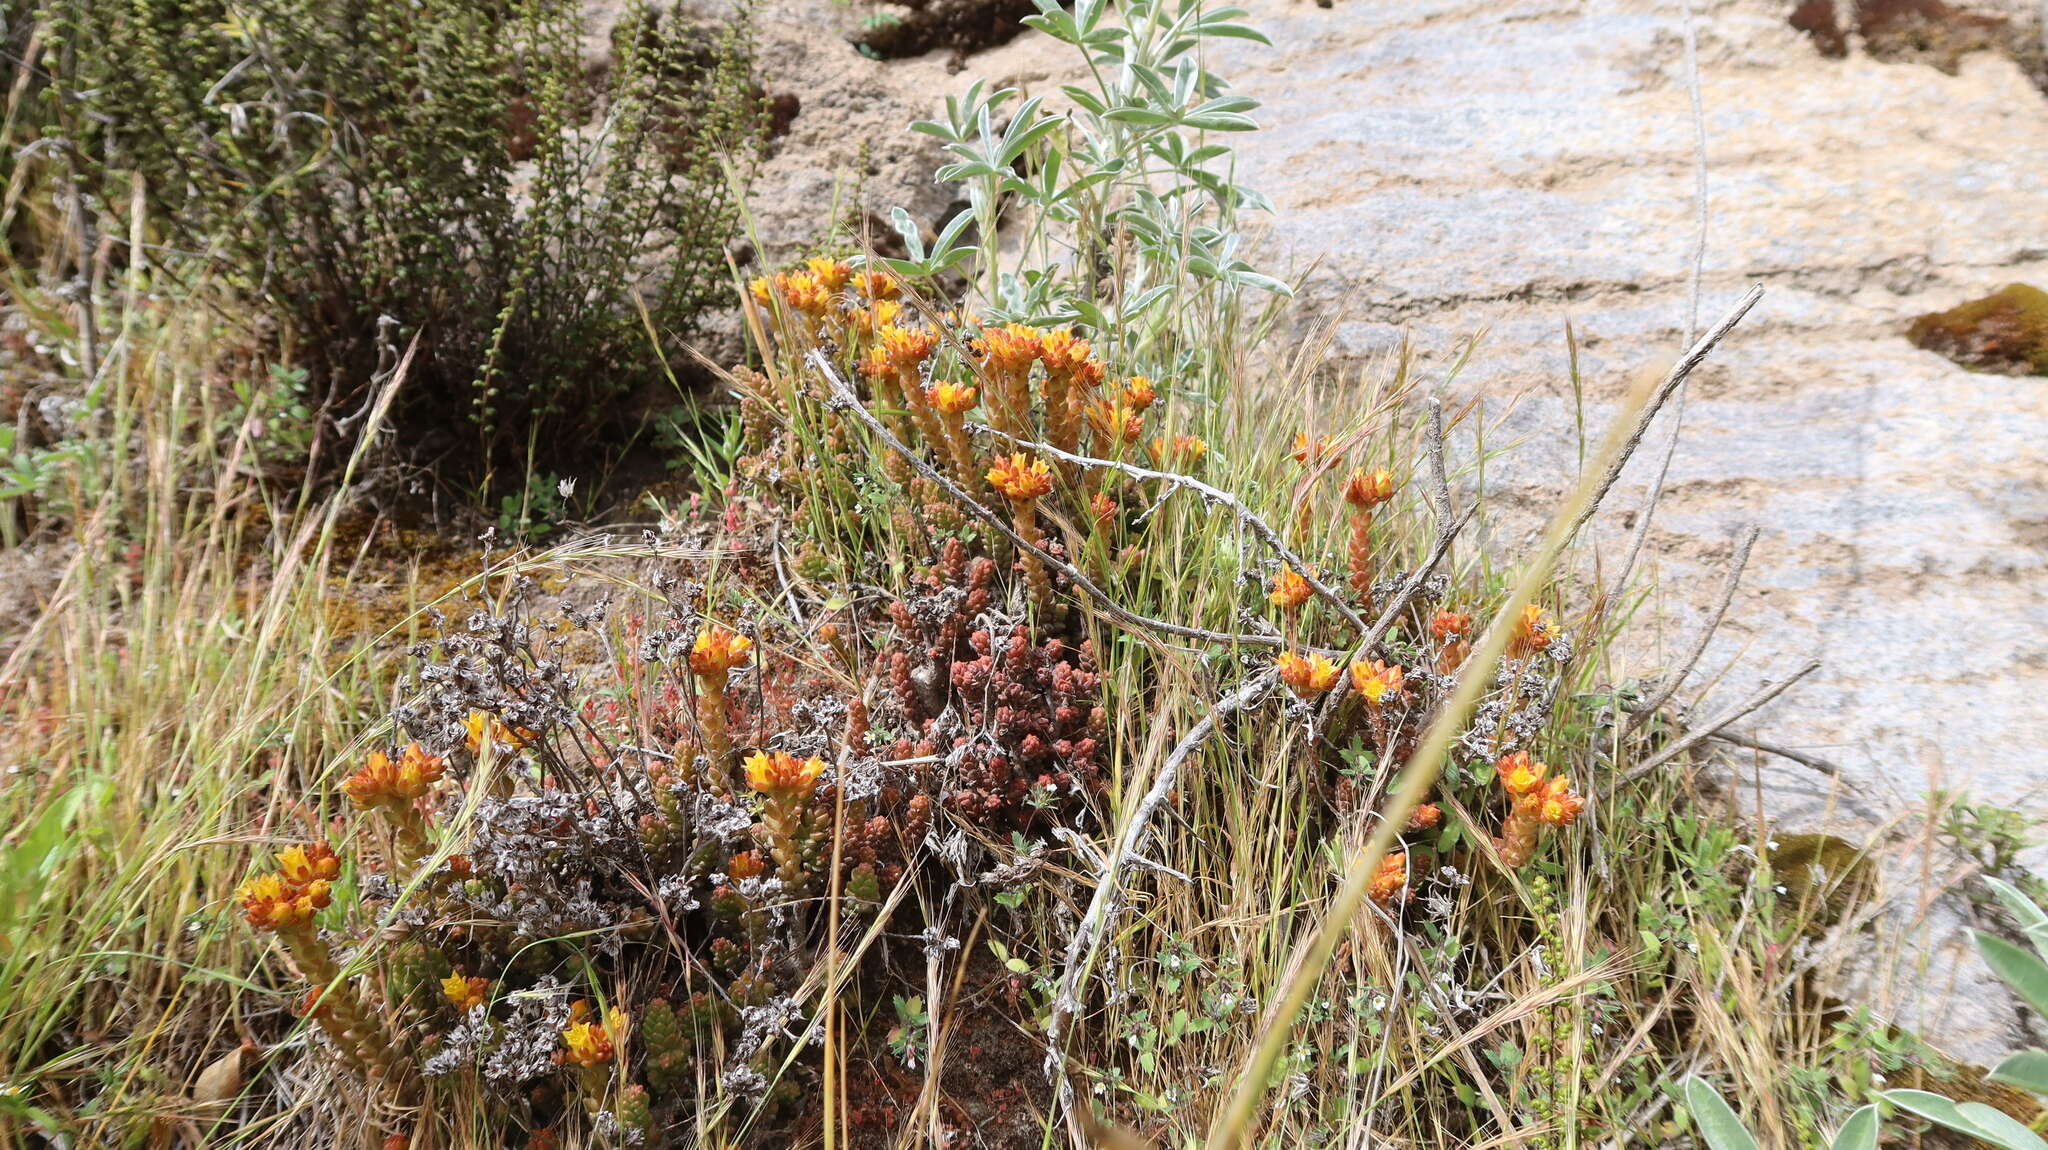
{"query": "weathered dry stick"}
[(1790, 754), (1679, 371), (1683, 668), (1109, 888), (843, 399), (1212, 494), (1694, 737)]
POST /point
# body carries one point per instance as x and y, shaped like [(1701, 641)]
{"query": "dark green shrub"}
[(454, 166)]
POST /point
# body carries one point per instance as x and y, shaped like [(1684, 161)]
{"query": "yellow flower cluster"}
[(781, 773), (288, 897), (718, 652), (587, 1042), (1020, 477)]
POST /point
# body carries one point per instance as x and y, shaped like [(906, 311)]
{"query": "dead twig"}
[(1677, 375), (1208, 492), (843, 399), (1108, 898), (1684, 667), (1790, 754), (1694, 737)]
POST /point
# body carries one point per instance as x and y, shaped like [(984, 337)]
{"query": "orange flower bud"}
[(1391, 880), (1425, 817), (1449, 624), (1139, 393)]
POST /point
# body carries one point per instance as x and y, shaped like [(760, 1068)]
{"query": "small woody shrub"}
[(369, 172)]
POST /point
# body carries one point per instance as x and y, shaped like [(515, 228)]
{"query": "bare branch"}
[(1108, 898), (1790, 754), (1679, 671), (843, 399), (1213, 494), (1678, 374), (1694, 737)]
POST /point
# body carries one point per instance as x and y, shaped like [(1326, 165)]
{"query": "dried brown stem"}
[(1694, 737), (843, 399)]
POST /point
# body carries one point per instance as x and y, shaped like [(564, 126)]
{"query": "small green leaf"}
[(2026, 974), (2027, 1070), (1718, 1122), (2001, 1128), (1859, 1132)]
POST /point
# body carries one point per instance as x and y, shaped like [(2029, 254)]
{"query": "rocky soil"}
[(1446, 168)]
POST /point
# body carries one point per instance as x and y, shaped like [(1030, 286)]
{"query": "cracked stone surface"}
[(1447, 168)]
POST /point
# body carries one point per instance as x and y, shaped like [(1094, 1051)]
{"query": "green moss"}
[(2006, 331)]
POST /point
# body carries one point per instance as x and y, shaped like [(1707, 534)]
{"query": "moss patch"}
[(2006, 331)]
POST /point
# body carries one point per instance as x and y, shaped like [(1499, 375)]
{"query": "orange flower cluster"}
[(951, 398), (1376, 680), (383, 782), (781, 773), (1366, 489), (1536, 799), (287, 898), (718, 652), (1182, 451), (1116, 424), (587, 1042), (1535, 629), (1021, 478), (1391, 880), (1310, 451), (480, 728), (1451, 630), (1307, 676), (1290, 590), (1072, 377)]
